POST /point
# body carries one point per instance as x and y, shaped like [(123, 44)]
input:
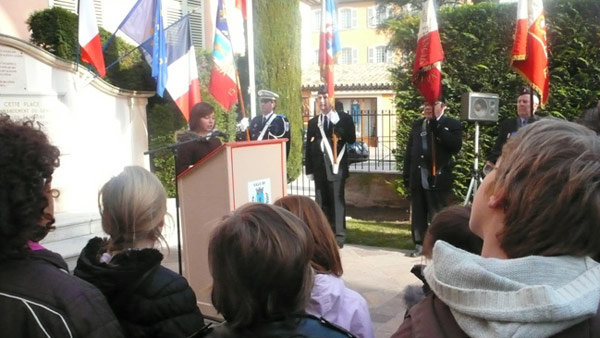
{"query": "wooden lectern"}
[(230, 176)]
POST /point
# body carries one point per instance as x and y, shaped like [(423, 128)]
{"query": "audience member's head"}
[(133, 206), (259, 258), (543, 198), (27, 162), (326, 257), (591, 119), (452, 225)]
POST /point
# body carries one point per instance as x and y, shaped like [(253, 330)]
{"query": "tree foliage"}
[(55, 30), (277, 63), (477, 40)]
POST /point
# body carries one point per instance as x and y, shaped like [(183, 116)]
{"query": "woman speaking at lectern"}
[(201, 125)]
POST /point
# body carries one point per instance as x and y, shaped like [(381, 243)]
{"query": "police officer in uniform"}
[(269, 125)]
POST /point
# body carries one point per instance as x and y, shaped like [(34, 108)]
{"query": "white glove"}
[(310, 177), (334, 117), (243, 124)]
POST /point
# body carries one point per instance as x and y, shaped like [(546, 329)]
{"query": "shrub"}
[(277, 64), (477, 41)]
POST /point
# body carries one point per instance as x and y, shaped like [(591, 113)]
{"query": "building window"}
[(347, 18), (379, 54), (377, 15), (316, 57), (348, 56)]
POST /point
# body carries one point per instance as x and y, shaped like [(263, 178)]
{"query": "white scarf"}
[(532, 296), (335, 165)]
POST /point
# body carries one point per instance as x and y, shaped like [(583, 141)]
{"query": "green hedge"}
[(277, 63), (477, 41)]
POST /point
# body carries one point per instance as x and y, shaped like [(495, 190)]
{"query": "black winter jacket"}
[(148, 299), (39, 298)]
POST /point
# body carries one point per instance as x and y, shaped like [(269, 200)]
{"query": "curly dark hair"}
[(27, 161)]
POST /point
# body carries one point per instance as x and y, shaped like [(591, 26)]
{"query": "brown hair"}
[(451, 225), (199, 111), (549, 177), (133, 206), (327, 255), (259, 259)]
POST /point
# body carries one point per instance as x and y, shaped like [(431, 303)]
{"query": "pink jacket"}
[(332, 300)]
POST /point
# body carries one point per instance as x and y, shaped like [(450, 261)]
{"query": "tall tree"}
[(277, 63)]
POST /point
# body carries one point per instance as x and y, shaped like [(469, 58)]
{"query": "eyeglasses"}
[(487, 169)]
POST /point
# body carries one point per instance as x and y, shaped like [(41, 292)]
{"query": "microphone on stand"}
[(217, 133), (190, 136)]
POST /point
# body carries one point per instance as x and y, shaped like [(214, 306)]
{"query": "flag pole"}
[(78, 49), (237, 83), (241, 97), (531, 101), (325, 63), (251, 73)]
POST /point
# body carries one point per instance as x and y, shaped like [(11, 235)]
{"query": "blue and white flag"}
[(143, 22)]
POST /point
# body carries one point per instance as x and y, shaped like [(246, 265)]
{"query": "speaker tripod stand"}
[(475, 177)]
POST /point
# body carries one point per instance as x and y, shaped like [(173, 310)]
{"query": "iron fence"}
[(377, 131)]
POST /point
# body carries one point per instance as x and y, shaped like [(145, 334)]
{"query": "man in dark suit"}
[(428, 163), (326, 161), (510, 127)]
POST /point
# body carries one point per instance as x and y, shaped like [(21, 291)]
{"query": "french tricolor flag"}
[(182, 84), (89, 37), (427, 70)]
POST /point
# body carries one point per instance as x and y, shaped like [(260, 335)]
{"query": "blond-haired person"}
[(148, 299), (538, 213)]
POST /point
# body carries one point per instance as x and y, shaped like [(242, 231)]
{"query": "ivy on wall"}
[(477, 40)]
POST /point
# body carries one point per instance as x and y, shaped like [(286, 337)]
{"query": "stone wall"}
[(365, 190)]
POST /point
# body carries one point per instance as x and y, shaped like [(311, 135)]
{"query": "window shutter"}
[(70, 5), (354, 55), (353, 22), (173, 8), (371, 53), (98, 10), (370, 16), (388, 55), (196, 8)]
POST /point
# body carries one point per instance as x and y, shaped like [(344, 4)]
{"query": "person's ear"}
[(497, 199)]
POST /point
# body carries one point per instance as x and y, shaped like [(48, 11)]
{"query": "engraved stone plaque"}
[(12, 69)]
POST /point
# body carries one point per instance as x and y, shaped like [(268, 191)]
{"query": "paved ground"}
[(379, 275)]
